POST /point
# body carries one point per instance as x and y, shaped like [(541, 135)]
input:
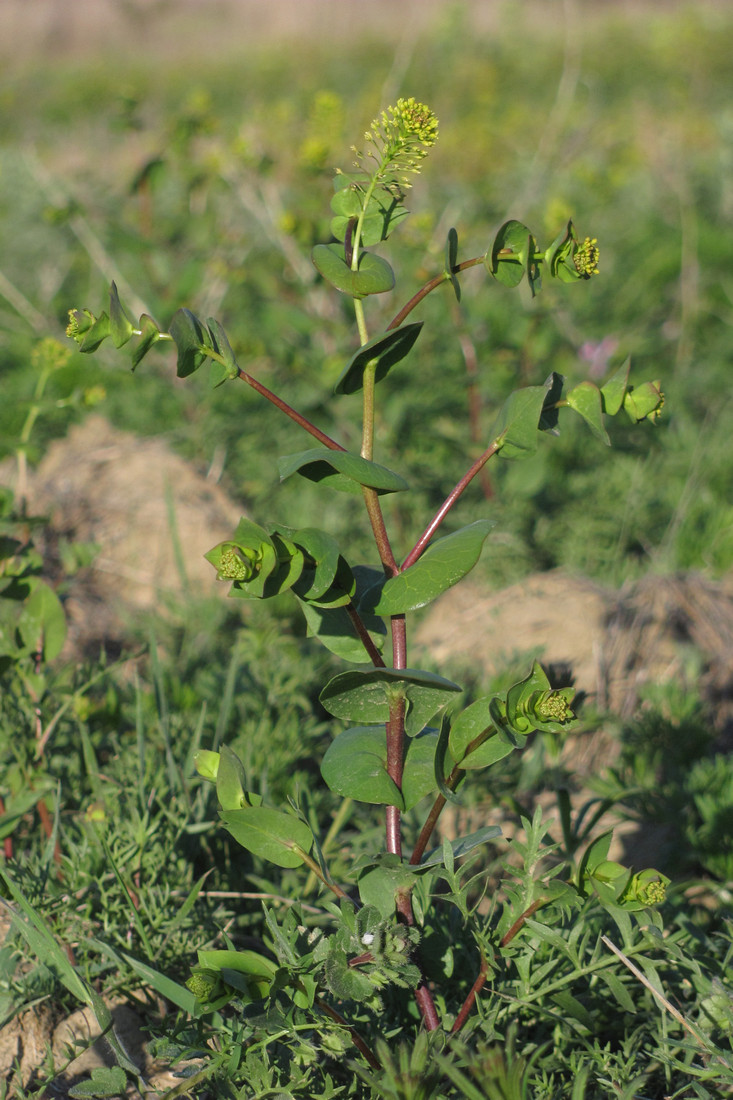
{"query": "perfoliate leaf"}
[(341, 470), (373, 276), (220, 344), (389, 348), (614, 389), (363, 696), (418, 769), (517, 424), (511, 253), (94, 336), (379, 885), (355, 766), (322, 560), (384, 212), (120, 326), (585, 398), (149, 334), (192, 341), (442, 565)]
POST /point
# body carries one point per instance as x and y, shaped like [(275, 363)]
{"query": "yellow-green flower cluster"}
[(586, 257), (553, 707), (233, 567), (401, 137)]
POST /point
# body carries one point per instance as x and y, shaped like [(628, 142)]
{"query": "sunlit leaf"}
[(442, 565)]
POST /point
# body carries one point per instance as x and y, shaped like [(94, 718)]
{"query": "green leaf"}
[(511, 253), (345, 982), (516, 427), (248, 559), (614, 389), (173, 991), (444, 563), (94, 336), (270, 834), (334, 629), (379, 885), (221, 372), (384, 212), (149, 335), (18, 805), (322, 560), (462, 846), (231, 780), (43, 944), (105, 1081), (389, 348), (473, 724), (206, 764), (548, 420), (341, 470), (418, 769), (355, 766), (363, 696), (595, 854), (257, 970), (619, 991), (451, 259), (191, 340), (585, 398), (374, 275), (120, 326), (42, 622), (559, 256)]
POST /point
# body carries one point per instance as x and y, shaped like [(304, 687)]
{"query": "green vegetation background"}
[(200, 174), (204, 178)]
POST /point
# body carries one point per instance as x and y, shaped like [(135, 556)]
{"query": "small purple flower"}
[(597, 354)]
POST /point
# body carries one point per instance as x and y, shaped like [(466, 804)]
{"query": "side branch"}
[(421, 544), (290, 411)]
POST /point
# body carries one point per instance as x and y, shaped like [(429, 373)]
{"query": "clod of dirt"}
[(557, 618), (138, 502), (609, 645)]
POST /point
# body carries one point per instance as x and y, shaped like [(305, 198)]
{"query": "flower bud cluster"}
[(586, 257)]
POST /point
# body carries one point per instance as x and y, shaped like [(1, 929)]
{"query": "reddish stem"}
[(290, 411), (48, 828), (8, 841), (358, 624), (509, 936), (430, 286), (471, 998), (435, 811), (446, 506), (355, 1037)]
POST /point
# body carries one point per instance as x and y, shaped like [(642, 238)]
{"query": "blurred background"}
[(187, 149)]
